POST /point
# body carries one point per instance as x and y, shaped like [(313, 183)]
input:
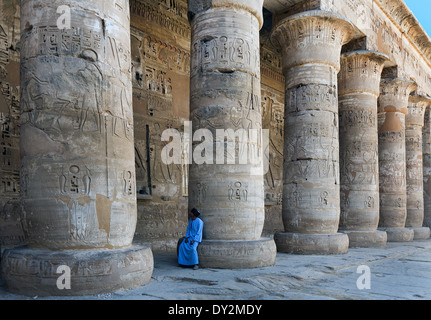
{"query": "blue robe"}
[(188, 253)]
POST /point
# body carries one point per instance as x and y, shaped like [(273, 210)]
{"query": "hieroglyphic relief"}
[(225, 53), (163, 53), (272, 100), (156, 62), (168, 14), (10, 229)]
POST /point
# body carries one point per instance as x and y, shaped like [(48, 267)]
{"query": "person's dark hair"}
[(195, 212)]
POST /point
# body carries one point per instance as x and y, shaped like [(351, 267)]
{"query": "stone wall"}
[(161, 68)]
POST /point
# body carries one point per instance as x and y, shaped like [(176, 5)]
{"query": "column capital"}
[(361, 71), (394, 94), (416, 109), (255, 7), (314, 36)]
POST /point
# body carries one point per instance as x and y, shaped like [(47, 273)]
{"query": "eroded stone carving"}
[(77, 154), (359, 81), (414, 165), (311, 44), (392, 109)]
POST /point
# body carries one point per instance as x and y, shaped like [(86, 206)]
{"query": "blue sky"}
[(422, 11)]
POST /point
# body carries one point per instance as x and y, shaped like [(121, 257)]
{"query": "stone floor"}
[(399, 271)]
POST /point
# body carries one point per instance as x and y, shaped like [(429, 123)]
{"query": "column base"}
[(366, 239), (303, 243), (420, 233), (399, 234), (33, 272), (229, 254)]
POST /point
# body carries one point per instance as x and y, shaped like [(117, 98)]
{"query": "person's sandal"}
[(196, 267)]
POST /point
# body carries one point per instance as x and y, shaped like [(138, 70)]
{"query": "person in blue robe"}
[(188, 250)]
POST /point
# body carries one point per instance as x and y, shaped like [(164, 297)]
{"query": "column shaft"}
[(359, 81), (77, 151), (227, 186), (426, 140), (392, 109), (414, 165), (311, 44)]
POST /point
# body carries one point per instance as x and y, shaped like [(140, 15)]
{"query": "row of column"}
[(364, 187), (78, 192), (346, 182)]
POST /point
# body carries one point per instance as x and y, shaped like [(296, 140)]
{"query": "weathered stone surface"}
[(426, 138), (160, 41), (34, 272), (414, 164), (77, 122), (237, 254), (77, 127), (311, 43), (392, 109), (78, 184), (359, 81), (11, 233), (226, 95)]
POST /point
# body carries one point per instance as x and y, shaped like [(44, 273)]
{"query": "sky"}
[(422, 11)]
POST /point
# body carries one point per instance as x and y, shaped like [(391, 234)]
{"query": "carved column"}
[(392, 110), (359, 83), (311, 43), (426, 138), (414, 165), (77, 152), (225, 95)]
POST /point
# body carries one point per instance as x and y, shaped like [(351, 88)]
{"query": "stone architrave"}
[(358, 90), (414, 165), (78, 189), (426, 140), (225, 95), (311, 44), (392, 110)]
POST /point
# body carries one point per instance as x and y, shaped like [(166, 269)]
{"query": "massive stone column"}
[(426, 140), (225, 185), (358, 90), (78, 172), (414, 165), (311, 44), (392, 110)]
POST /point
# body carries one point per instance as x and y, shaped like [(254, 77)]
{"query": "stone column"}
[(426, 139), (225, 95), (358, 90), (414, 166), (311, 44), (392, 110), (77, 152)]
